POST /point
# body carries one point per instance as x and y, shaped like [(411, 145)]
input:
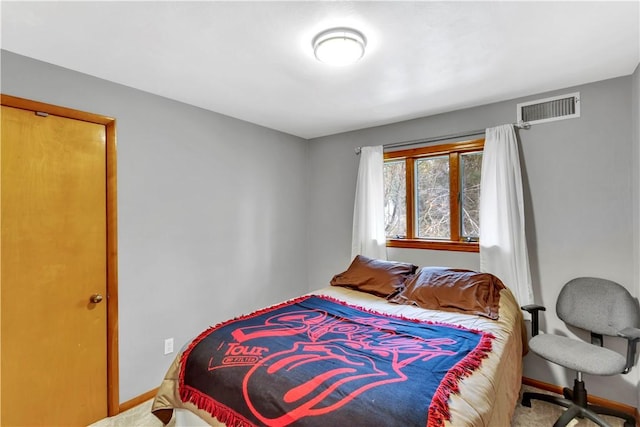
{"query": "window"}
[(432, 196)]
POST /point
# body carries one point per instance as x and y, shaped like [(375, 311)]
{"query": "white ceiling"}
[(253, 60)]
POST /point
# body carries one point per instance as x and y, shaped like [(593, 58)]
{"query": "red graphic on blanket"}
[(238, 354), (314, 388)]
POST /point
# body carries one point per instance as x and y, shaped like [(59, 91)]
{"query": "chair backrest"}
[(597, 305)]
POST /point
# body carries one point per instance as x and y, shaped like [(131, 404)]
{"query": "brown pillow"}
[(464, 291), (374, 276)]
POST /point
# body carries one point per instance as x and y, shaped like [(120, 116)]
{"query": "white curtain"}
[(368, 212), (503, 246)]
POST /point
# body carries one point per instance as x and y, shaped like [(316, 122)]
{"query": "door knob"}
[(95, 298)]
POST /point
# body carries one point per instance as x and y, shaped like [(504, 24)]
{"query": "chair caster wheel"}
[(527, 402)]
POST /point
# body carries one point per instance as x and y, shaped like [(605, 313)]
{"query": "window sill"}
[(436, 245)]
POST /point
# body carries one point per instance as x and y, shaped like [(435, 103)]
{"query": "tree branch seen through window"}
[(432, 196)]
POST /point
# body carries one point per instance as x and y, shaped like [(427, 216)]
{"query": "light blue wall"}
[(578, 186), (211, 212)]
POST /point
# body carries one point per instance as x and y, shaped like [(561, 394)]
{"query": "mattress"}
[(486, 397)]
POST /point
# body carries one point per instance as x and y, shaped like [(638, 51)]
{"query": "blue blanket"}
[(316, 361)]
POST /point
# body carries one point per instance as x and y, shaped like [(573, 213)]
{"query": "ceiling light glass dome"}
[(339, 46)]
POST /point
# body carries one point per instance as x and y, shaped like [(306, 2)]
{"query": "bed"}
[(385, 344)]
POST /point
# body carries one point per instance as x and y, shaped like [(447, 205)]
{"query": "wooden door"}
[(54, 265)]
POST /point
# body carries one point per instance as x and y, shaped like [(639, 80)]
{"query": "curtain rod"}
[(523, 125)]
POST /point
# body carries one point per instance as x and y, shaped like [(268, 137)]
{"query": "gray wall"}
[(578, 195), (211, 212), (635, 117)]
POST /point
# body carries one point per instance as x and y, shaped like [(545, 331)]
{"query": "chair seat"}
[(577, 355)]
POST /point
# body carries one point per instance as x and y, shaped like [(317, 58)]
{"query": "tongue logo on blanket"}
[(354, 348), (319, 390)]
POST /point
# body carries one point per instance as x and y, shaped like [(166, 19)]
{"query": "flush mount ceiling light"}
[(339, 46)]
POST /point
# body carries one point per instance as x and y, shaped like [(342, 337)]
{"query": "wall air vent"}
[(550, 109)]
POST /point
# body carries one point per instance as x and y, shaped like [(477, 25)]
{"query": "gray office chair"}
[(602, 307)]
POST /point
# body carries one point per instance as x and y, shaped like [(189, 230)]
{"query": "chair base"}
[(576, 403)]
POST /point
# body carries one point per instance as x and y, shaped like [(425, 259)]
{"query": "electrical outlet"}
[(168, 346)]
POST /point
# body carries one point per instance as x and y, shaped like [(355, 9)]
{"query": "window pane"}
[(395, 199), (432, 198), (470, 166)]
